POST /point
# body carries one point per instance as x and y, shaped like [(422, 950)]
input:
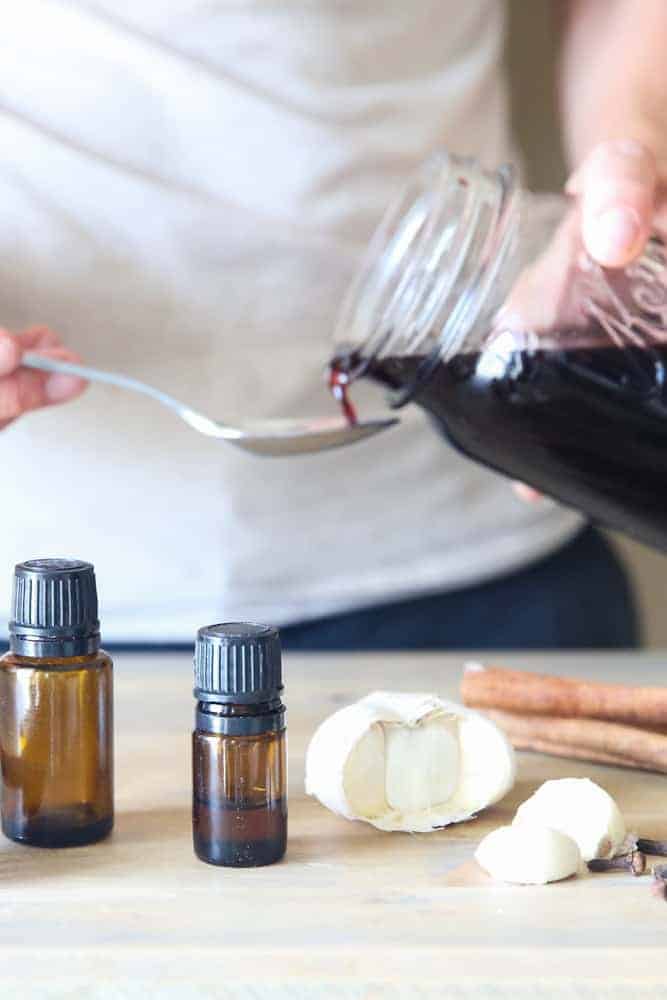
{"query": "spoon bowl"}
[(261, 437), (299, 437)]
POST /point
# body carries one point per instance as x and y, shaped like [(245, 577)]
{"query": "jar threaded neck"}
[(430, 268)]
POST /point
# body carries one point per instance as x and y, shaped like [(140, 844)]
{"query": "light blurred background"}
[(531, 51)]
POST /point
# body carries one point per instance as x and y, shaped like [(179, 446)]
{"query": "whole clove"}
[(634, 862), (659, 887)]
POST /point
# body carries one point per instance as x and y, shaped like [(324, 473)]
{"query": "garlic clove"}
[(582, 810), (364, 774), (421, 763), (528, 855), (410, 762)]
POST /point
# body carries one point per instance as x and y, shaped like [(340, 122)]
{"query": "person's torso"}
[(185, 191)]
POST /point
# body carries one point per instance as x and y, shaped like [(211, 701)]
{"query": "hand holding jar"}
[(480, 302), (620, 199)]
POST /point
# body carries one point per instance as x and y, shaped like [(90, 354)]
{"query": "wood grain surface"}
[(352, 912)]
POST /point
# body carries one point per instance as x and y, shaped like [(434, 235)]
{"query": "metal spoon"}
[(263, 437)]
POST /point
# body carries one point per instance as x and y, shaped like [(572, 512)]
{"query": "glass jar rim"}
[(431, 263)]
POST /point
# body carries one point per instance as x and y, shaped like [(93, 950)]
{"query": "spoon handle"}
[(33, 360)]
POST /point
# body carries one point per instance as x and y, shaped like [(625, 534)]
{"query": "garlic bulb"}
[(527, 854), (408, 762), (582, 810)]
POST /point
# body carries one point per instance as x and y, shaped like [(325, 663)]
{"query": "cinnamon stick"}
[(585, 739), (564, 697), (576, 753)]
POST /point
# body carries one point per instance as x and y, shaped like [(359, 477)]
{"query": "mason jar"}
[(478, 302)]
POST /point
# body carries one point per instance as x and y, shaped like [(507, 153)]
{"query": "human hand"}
[(24, 389), (621, 193), (622, 198)]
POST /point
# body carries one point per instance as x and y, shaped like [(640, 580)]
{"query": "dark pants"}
[(578, 598)]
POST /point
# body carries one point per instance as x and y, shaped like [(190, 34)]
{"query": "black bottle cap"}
[(54, 609), (238, 662)]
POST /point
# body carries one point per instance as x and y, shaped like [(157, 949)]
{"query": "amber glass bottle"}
[(239, 811), (56, 723)]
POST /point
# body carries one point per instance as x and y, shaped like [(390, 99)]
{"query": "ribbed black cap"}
[(54, 608), (238, 662)]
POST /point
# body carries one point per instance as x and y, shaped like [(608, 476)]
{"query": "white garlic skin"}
[(412, 762), (582, 810), (528, 855)]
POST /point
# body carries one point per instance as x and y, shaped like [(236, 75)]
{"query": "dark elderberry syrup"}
[(339, 385), (585, 425)]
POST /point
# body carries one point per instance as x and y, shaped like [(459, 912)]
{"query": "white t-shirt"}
[(185, 189)]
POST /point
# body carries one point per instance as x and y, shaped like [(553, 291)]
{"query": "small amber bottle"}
[(239, 810), (56, 723)]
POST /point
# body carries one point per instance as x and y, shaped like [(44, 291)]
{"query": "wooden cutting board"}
[(352, 912)]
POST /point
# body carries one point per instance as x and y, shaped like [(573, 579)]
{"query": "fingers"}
[(36, 338), (24, 389), (527, 493), (10, 353), (616, 185), (27, 390)]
